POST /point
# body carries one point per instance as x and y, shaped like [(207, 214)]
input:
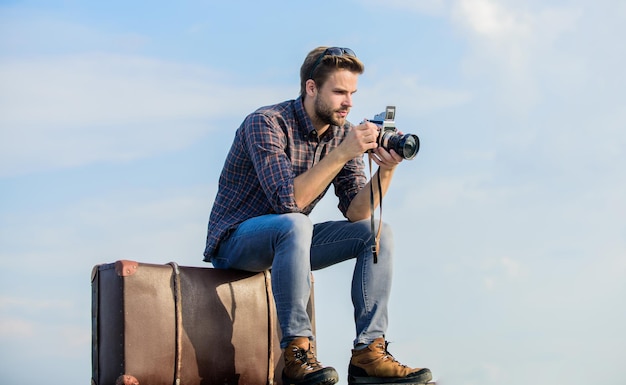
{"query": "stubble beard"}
[(326, 114)]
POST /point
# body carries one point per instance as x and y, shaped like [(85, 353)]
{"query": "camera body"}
[(406, 145)]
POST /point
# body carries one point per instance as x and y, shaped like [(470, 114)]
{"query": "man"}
[(282, 161)]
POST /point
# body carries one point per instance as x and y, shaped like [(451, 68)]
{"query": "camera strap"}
[(375, 233)]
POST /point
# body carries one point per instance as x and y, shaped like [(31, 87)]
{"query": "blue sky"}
[(115, 118)]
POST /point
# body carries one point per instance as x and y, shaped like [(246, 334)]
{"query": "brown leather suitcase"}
[(167, 324)]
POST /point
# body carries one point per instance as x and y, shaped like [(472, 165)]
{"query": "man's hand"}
[(308, 185), (386, 160), (360, 139)]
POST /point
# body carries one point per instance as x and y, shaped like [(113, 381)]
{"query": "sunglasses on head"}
[(332, 51)]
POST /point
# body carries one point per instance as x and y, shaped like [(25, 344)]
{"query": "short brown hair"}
[(325, 66)]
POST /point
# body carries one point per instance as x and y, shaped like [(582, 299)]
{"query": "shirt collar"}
[(305, 124)]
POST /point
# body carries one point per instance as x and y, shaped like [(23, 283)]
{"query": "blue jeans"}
[(292, 246)]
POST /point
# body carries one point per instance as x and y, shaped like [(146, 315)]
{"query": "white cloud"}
[(8, 303), (415, 98), (23, 317), (516, 46), (16, 328), (70, 110), (82, 89), (501, 271), (142, 225), (491, 19), (432, 7), (511, 267)]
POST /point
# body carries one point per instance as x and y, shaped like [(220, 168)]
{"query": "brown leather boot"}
[(375, 365), (302, 368)]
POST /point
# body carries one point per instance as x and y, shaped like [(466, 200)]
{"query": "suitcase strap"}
[(271, 318), (178, 308)]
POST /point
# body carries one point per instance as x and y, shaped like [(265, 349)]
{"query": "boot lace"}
[(307, 358), (387, 355)]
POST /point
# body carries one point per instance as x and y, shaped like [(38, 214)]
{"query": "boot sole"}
[(386, 382), (323, 377), (422, 377)]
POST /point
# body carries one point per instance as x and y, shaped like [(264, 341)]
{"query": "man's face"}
[(334, 99)]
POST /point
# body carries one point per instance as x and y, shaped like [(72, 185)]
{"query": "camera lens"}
[(406, 146)]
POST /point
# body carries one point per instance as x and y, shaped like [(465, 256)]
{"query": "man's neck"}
[(309, 109)]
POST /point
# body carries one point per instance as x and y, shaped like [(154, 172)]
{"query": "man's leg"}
[(371, 362), (334, 242)]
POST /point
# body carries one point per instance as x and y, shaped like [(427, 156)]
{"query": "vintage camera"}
[(406, 145)]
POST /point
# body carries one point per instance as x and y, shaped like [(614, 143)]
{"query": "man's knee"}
[(296, 224), (386, 232)]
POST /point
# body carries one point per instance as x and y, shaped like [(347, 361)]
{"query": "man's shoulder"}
[(287, 115), (280, 109)]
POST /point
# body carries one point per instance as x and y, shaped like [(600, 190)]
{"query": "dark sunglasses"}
[(332, 51)]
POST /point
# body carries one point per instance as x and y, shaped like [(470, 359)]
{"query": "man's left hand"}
[(385, 159)]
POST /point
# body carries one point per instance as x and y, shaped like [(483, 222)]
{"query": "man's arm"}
[(359, 208), (310, 184)]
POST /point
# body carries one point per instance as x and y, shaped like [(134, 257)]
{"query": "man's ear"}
[(310, 87)]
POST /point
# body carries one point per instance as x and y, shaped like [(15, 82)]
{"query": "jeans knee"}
[(297, 225), (386, 243), (386, 232)]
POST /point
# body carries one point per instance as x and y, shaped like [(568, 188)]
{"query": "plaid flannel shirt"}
[(272, 146)]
